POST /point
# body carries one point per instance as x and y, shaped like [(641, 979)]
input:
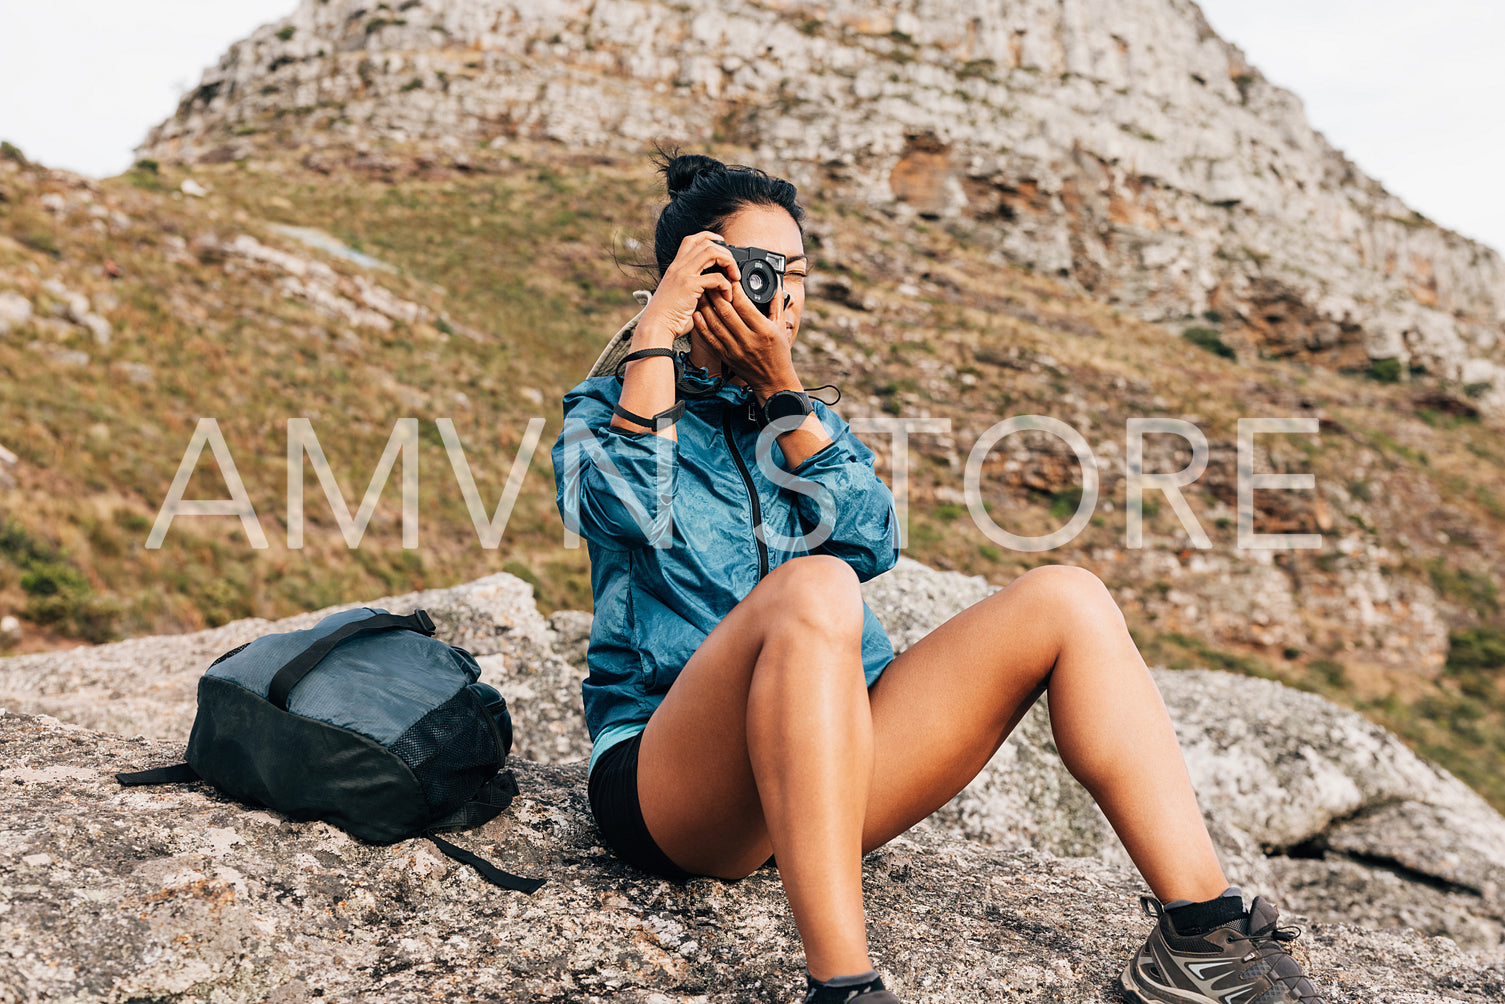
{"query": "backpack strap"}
[(494, 796), (175, 774), (488, 871), (303, 663)]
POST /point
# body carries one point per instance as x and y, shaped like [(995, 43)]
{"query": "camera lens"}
[(759, 282)]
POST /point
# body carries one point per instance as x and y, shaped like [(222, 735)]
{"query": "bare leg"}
[(1055, 628), (761, 744)]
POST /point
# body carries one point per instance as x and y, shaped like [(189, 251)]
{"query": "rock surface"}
[(173, 893), (1120, 143), (1298, 793)]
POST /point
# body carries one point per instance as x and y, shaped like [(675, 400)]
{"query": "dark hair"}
[(704, 193)]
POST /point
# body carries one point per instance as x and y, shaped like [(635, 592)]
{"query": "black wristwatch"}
[(782, 404)]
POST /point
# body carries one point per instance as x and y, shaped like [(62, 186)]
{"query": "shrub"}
[(145, 173), (17, 544), (57, 593), (41, 240), (1385, 370), (1208, 339), (1478, 592), (94, 620), (985, 68), (1331, 671), (1063, 504), (1244, 82), (523, 572), (286, 33), (53, 578), (1480, 648), (221, 601)]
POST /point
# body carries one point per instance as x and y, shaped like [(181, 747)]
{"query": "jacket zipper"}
[(752, 493)]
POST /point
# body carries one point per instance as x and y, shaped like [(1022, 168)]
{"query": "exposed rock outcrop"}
[(1122, 144), (1299, 794), (118, 894)]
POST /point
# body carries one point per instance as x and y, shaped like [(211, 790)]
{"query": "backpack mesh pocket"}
[(452, 751)]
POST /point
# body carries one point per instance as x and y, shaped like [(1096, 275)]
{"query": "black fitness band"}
[(659, 422), (668, 416)]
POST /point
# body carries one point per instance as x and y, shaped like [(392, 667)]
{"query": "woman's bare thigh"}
[(940, 711), (945, 704), (695, 779)]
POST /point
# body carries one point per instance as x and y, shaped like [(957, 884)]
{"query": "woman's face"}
[(773, 229)]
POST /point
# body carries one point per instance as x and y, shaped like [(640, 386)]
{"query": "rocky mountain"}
[(1121, 144), (176, 892)]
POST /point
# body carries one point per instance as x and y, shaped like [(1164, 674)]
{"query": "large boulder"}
[(175, 893), (1308, 803)]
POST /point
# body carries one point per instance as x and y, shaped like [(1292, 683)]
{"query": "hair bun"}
[(680, 173)]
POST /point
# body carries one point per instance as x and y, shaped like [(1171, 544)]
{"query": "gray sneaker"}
[(1242, 962)]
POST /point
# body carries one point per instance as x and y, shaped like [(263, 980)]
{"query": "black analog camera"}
[(762, 274)]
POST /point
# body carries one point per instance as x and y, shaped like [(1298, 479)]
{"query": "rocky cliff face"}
[(1121, 144), (1308, 803)]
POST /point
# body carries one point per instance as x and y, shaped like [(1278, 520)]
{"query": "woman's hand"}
[(755, 347), (672, 308)]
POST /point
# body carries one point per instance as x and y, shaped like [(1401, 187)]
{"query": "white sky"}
[(1410, 90)]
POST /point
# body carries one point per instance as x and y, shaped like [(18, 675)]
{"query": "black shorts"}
[(613, 792)]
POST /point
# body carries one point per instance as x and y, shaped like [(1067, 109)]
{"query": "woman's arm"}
[(614, 478), (648, 384), (613, 486)]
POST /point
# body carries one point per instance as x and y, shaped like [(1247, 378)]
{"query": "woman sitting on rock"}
[(743, 701)]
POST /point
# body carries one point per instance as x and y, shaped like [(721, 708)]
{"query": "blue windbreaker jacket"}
[(669, 529)]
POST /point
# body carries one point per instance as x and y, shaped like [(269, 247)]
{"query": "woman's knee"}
[(816, 592), (1071, 592)]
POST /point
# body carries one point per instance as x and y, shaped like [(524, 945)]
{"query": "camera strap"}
[(810, 391)]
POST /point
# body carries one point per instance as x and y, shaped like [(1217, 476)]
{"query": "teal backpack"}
[(366, 721)]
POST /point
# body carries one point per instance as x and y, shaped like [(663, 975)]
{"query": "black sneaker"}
[(1243, 962), (872, 992), (879, 996)]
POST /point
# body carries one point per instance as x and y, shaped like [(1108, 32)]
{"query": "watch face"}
[(785, 403)]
